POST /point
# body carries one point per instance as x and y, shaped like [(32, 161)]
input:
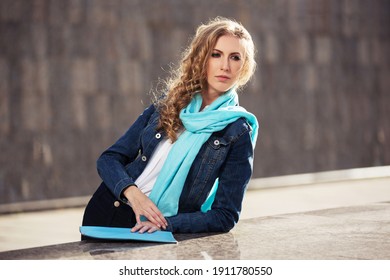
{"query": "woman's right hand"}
[(143, 206)]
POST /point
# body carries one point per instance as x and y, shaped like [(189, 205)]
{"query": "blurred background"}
[(75, 74)]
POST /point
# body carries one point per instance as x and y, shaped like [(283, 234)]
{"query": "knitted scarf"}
[(199, 125)]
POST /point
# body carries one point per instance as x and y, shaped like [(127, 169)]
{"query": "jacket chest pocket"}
[(150, 136), (216, 150), (204, 172)]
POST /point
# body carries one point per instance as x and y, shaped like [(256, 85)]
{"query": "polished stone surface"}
[(44, 228), (358, 232)]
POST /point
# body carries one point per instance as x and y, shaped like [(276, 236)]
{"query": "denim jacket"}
[(227, 155)]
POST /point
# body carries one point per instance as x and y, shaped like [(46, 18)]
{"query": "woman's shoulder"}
[(150, 110), (240, 126), (235, 130)]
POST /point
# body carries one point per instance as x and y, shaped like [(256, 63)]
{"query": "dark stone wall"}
[(75, 74)]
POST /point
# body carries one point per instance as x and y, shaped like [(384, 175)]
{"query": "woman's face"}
[(224, 65)]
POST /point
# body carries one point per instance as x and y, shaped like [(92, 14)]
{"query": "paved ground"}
[(26, 230)]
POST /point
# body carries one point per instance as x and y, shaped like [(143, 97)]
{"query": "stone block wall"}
[(75, 74)]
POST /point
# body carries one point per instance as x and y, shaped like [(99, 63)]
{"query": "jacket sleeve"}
[(111, 165), (233, 179)]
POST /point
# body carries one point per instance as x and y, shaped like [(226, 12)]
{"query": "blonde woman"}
[(184, 165)]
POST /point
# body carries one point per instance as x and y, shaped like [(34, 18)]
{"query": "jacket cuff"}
[(121, 186), (170, 226)]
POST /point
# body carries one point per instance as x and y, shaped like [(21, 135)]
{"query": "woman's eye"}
[(215, 55), (236, 57)]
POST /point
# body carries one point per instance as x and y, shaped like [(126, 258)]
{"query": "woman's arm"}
[(112, 162), (111, 167)]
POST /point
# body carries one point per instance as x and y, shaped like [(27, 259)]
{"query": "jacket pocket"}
[(209, 161)]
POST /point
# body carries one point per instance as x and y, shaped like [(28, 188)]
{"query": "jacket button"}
[(144, 158), (216, 142), (117, 203), (158, 135)]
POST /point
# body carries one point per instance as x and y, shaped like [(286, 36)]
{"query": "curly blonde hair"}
[(191, 76)]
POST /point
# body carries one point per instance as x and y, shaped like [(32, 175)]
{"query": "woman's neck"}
[(208, 98)]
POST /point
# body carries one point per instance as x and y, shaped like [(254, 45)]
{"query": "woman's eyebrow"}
[(217, 50)]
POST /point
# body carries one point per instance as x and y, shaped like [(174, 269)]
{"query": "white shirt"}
[(148, 177)]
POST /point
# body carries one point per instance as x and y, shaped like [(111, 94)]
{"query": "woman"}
[(184, 165)]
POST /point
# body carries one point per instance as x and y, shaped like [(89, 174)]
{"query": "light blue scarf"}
[(198, 128)]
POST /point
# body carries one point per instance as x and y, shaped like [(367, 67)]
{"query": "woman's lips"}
[(222, 78)]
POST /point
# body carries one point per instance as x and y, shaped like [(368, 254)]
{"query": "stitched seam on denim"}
[(117, 184)]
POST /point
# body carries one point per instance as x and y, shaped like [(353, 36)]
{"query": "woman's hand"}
[(143, 206), (145, 226)]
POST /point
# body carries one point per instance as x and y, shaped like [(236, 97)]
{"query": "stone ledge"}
[(359, 232)]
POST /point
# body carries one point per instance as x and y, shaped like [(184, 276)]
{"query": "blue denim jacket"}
[(227, 155)]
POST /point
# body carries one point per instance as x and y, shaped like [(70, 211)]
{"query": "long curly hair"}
[(191, 76)]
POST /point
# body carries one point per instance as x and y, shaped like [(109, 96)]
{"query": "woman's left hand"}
[(145, 226)]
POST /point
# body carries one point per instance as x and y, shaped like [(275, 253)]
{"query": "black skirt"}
[(104, 209)]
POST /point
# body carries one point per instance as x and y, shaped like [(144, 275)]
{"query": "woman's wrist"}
[(126, 193)]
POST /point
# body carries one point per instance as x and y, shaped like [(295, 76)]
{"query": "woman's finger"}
[(144, 227), (155, 216), (136, 227), (142, 205), (149, 217), (152, 229)]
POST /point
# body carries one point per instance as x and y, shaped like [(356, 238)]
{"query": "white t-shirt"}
[(148, 177)]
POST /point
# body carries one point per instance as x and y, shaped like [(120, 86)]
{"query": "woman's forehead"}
[(230, 44)]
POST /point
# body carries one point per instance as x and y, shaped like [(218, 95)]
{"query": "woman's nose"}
[(225, 65)]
